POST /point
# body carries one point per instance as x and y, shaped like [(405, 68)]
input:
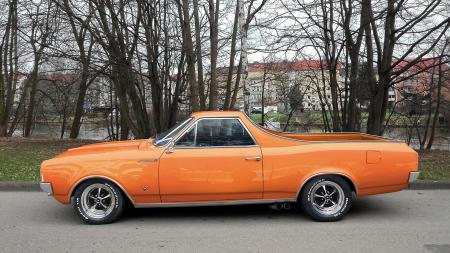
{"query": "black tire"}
[(110, 214), (313, 193)]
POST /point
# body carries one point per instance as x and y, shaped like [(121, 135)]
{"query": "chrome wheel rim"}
[(97, 201), (327, 198)]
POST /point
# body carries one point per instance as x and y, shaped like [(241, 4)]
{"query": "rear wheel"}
[(326, 198), (98, 202)]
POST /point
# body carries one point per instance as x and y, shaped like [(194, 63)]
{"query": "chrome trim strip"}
[(248, 131), (101, 177), (413, 175), (212, 203), (241, 146), (183, 124), (345, 133), (46, 187), (195, 136), (195, 123), (183, 132)]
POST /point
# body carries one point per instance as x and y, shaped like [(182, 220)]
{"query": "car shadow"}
[(212, 213), (363, 208), (376, 206)]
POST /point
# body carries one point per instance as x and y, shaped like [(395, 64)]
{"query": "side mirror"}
[(170, 148)]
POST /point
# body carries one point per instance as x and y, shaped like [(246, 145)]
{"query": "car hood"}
[(105, 147)]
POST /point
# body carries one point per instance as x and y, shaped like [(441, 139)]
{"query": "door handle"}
[(256, 158)]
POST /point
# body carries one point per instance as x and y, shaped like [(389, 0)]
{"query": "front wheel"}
[(326, 198), (98, 202)]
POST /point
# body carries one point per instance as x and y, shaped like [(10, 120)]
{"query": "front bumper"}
[(46, 187), (413, 176)]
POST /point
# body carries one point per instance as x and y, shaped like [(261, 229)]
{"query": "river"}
[(99, 131)]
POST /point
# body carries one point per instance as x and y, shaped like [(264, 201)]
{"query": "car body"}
[(215, 158)]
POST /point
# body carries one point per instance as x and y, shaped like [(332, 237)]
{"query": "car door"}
[(215, 160)]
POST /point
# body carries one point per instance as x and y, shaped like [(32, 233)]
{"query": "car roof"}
[(201, 114)]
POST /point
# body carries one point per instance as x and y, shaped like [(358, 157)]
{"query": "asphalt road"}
[(408, 221)]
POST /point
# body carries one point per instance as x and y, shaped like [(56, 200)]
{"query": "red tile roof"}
[(422, 65), (301, 65)]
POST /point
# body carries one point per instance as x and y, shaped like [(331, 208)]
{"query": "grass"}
[(435, 165), (272, 116), (20, 158)]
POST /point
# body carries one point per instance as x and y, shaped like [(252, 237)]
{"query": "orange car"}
[(224, 158)]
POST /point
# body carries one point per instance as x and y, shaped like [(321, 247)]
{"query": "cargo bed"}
[(330, 136)]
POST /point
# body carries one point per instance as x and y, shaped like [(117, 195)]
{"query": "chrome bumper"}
[(46, 187), (413, 176)]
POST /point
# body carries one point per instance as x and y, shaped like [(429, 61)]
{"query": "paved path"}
[(408, 221)]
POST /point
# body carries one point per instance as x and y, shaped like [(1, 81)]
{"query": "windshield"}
[(164, 137)]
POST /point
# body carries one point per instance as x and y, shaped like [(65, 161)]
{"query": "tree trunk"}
[(228, 91), (243, 58), (214, 26), (379, 96), (8, 67), (79, 110), (124, 130), (438, 103), (423, 139), (79, 34), (334, 101), (236, 84), (198, 51), (31, 102), (262, 97), (190, 56)]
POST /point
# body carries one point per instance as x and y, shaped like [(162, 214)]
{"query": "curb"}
[(19, 186), (430, 185), (34, 186)]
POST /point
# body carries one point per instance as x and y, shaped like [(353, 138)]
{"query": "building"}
[(417, 86), (277, 82)]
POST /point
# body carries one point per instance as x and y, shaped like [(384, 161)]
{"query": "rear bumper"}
[(46, 187), (413, 176)]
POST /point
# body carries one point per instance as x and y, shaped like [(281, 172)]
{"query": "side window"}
[(188, 139), (222, 132)]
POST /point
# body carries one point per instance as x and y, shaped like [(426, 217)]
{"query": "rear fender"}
[(328, 171)]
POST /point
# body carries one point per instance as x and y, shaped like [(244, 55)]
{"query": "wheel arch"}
[(94, 177), (344, 176)]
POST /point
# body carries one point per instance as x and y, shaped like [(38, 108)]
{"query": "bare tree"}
[(244, 19), (161, 58), (423, 29), (43, 22), (199, 58), (213, 31), (231, 67), (443, 77), (79, 28), (188, 48), (59, 89), (8, 65)]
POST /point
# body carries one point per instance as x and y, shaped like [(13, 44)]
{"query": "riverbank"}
[(20, 158)]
